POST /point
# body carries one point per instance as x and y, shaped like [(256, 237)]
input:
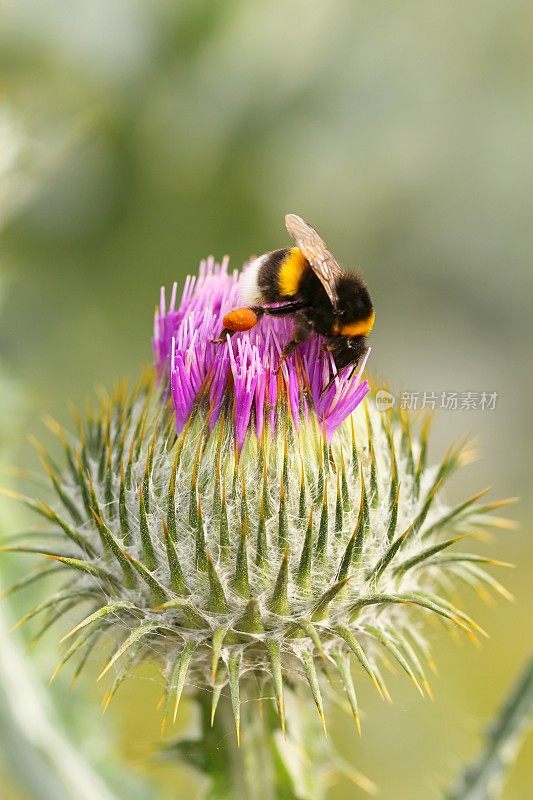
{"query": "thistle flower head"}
[(197, 367), (236, 523)]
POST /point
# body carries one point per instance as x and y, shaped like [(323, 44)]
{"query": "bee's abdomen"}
[(273, 277)]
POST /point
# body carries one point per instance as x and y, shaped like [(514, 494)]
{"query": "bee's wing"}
[(322, 262)]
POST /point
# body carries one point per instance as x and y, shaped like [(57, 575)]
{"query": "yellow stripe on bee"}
[(290, 272), (361, 328)]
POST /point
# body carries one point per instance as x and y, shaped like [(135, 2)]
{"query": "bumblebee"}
[(307, 282)]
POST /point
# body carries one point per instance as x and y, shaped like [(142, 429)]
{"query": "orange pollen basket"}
[(240, 319)]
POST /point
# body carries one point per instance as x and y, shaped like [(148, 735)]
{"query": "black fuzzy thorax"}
[(318, 308)]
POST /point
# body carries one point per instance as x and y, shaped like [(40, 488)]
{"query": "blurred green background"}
[(137, 137)]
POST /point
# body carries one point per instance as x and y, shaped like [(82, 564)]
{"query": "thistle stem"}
[(251, 763), (257, 768), (245, 770)]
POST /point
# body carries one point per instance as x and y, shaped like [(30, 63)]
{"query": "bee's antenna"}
[(329, 383), (363, 363), (362, 367), (350, 376)]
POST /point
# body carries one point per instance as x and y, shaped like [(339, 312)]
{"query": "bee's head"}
[(347, 350)]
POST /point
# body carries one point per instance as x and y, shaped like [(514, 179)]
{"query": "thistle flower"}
[(247, 530), (184, 349)]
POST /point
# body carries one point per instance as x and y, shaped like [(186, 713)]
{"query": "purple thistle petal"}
[(245, 366)]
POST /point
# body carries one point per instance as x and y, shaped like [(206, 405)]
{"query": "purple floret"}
[(245, 365)]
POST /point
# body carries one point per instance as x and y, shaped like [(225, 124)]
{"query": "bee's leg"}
[(279, 311), (301, 331), (243, 319), (222, 337)]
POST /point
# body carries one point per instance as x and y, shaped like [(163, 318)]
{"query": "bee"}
[(307, 283)]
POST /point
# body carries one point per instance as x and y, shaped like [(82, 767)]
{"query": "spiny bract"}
[(281, 553)]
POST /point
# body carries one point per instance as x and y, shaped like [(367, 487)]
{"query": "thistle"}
[(247, 529)]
